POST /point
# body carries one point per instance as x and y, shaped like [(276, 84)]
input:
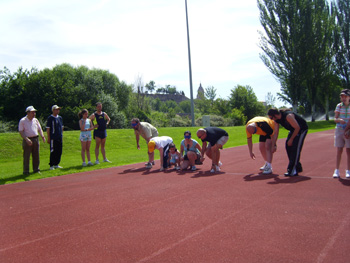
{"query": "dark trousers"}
[(55, 152), (165, 156), (294, 152), (31, 150)]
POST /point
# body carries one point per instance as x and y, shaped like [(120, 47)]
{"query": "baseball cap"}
[(55, 107), (151, 146), (30, 108), (345, 92)]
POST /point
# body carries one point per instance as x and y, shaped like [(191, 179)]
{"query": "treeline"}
[(72, 88), (76, 88)]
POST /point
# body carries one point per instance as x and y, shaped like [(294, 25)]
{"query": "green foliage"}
[(341, 40), (216, 121), (185, 106), (237, 117), (69, 87), (244, 99), (297, 49)]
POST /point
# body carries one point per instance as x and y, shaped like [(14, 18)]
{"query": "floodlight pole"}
[(190, 67)]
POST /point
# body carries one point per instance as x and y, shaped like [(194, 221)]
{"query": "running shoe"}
[(347, 174), (336, 173), (267, 170)]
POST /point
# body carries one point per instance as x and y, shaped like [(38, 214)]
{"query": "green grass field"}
[(120, 149)]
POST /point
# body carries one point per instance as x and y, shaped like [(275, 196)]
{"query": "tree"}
[(210, 94), (297, 46), (281, 45), (151, 86), (244, 99), (342, 40), (64, 85), (270, 100), (319, 26)]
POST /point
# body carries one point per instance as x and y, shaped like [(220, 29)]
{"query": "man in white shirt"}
[(29, 129)]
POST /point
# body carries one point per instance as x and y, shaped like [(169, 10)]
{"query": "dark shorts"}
[(100, 134), (266, 128)]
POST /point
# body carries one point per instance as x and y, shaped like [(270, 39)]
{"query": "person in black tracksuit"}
[(54, 128), (298, 129)]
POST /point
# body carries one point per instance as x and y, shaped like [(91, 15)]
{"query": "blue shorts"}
[(85, 137), (100, 134)]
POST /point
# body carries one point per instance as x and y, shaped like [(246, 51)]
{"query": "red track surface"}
[(127, 214)]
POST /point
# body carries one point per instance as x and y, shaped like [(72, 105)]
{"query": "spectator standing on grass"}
[(341, 118), (213, 139), (192, 151), (298, 129), (147, 131), (100, 134), (162, 144), (268, 131), (86, 127), (54, 129), (30, 129)]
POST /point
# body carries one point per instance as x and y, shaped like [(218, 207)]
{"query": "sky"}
[(141, 38)]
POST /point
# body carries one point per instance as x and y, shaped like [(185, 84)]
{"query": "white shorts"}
[(221, 141)]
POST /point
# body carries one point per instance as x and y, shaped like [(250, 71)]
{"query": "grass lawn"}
[(120, 149)]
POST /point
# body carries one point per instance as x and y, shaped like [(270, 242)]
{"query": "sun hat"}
[(151, 146), (30, 108)]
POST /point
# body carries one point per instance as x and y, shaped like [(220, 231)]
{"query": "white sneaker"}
[(216, 169), (220, 164), (336, 173), (262, 168), (84, 164), (52, 168), (148, 165), (97, 162), (347, 174), (90, 163), (267, 170), (57, 166), (106, 161)]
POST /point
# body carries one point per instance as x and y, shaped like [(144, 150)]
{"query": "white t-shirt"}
[(162, 141)]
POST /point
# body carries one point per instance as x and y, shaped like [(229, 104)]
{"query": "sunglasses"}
[(134, 124), (187, 136)]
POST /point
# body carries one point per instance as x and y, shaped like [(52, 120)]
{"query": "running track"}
[(127, 214)]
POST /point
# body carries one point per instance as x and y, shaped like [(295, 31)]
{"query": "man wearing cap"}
[(54, 129), (146, 130), (29, 129), (268, 131), (162, 144)]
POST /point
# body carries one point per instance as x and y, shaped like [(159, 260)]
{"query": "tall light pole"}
[(190, 67)]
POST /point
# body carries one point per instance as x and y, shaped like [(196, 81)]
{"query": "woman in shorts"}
[(192, 151), (86, 127)]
